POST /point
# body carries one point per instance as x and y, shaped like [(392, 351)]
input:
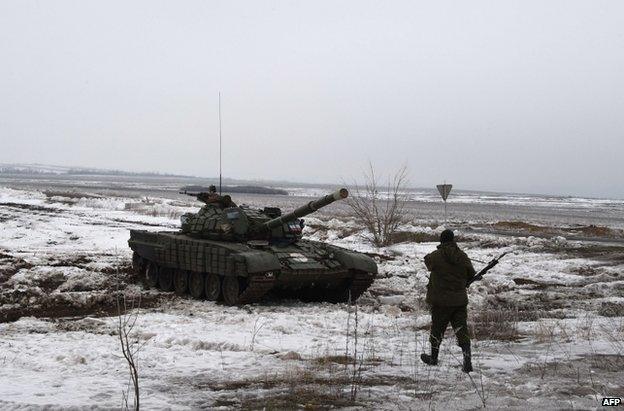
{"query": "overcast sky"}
[(524, 96)]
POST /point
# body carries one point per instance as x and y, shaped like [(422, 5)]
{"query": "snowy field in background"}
[(468, 197), (549, 320)]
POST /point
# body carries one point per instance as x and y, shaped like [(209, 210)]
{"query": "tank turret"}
[(223, 220)]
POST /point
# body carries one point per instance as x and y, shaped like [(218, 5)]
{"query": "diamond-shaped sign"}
[(445, 190)]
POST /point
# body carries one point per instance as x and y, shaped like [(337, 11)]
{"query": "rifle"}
[(485, 269)]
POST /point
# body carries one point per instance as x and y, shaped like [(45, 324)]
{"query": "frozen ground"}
[(548, 321)]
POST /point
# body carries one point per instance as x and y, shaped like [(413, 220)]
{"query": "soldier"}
[(210, 197), (450, 270)]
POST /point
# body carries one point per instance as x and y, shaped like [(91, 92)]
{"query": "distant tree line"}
[(21, 170), (84, 171)]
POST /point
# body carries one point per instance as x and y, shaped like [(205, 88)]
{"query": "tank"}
[(239, 254)]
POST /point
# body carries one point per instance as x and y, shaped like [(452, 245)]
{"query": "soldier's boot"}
[(467, 358), (431, 359)]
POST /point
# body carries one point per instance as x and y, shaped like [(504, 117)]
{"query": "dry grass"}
[(412, 237), (596, 231), (596, 375), (496, 324), (306, 397), (611, 309), (298, 389), (550, 331), (321, 385), (75, 195), (152, 209), (519, 225), (341, 232), (79, 261), (336, 359), (579, 230), (590, 374)]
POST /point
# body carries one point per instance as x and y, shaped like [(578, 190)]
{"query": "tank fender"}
[(258, 261), (355, 261), (147, 251)]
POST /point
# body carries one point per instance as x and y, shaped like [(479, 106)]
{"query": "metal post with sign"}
[(445, 190)]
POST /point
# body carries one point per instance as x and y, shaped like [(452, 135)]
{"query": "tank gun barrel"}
[(309, 208), (190, 193)]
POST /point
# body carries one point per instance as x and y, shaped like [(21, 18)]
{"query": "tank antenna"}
[(220, 178)]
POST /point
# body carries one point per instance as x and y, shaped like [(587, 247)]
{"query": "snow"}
[(197, 354), (475, 197)]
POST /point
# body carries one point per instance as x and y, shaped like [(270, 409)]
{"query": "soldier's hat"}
[(447, 236)]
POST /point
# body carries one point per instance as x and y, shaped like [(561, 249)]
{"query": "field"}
[(548, 321)]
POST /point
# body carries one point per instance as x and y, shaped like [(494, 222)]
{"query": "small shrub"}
[(381, 210)]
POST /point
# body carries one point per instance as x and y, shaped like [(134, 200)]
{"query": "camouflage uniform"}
[(446, 294)]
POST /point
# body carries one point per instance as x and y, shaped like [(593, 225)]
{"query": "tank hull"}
[(304, 269)]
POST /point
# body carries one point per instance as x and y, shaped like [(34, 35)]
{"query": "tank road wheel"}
[(232, 289), (196, 284), (180, 281), (165, 279), (151, 274), (213, 287)]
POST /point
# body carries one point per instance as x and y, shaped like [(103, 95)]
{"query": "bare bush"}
[(381, 209), (356, 375), (258, 325), (130, 347)]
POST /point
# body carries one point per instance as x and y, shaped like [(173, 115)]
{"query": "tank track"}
[(353, 289), (259, 285), (256, 288)]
